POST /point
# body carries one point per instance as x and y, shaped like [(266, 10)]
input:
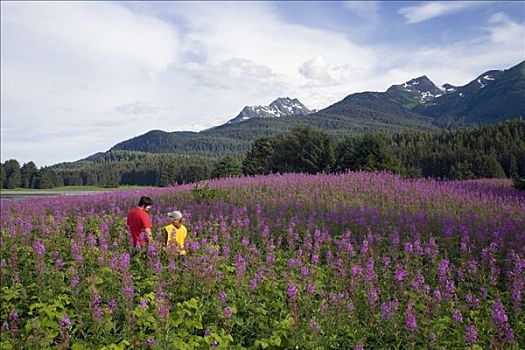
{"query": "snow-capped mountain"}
[(484, 80), (281, 107), (417, 104), (421, 88)]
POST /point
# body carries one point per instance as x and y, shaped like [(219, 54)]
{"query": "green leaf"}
[(276, 341), (78, 346)]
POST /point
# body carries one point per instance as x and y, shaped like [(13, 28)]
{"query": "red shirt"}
[(138, 221)]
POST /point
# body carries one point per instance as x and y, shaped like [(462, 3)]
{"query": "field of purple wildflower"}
[(349, 261)]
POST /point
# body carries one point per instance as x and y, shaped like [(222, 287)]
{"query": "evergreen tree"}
[(372, 153), (167, 175), (304, 149), (28, 174), (46, 178), (227, 166), (487, 166), (13, 174), (259, 157), (2, 176)]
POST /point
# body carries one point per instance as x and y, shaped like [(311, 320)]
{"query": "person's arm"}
[(147, 226)]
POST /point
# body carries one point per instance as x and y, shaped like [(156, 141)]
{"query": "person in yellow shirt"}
[(176, 232)]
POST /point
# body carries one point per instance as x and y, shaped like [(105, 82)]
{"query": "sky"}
[(79, 77)]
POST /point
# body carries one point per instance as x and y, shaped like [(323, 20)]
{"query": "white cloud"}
[(138, 108), (505, 30), (365, 9), (500, 45), (433, 9), (65, 62), (79, 77), (315, 68)]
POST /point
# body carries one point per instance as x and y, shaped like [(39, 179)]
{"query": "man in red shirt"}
[(139, 223)]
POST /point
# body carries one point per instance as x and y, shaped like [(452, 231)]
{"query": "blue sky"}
[(78, 77)]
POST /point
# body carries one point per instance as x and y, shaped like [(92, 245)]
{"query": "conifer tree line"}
[(491, 151), (12, 175)]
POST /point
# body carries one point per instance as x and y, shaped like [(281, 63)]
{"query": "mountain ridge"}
[(417, 104)]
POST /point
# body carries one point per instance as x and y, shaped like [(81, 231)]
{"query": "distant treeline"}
[(12, 175), (496, 150)]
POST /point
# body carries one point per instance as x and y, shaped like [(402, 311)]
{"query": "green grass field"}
[(31, 192)]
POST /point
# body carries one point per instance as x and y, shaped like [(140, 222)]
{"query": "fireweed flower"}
[(65, 322), (400, 274), (410, 318), (227, 312), (124, 262), (432, 336), (59, 264), (304, 272), (370, 271), (456, 315), (472, 300), (292, 291), (387, 308), (356, 270), (498, 313), (39, 248), (437, 295), (128, 292), (408, 248), (450, 290), (13, 316), (240, 266), (314, 327), (443, 270), (386, 262), (471, 335), (324, 307), (252, 284), (310, 289), (501, 320), (373, 295), (96, 300)]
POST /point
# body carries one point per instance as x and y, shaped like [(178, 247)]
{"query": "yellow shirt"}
[(177, 235)]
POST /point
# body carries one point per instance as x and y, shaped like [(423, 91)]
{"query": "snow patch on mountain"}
[(281, 107)]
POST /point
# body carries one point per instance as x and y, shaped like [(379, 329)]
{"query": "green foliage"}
[(227, 166), (259, 157), (496, 150), (13, 175), (205, 193), (371, 153), (47, 178), (135, 168), (29, 173), (3, 177), (519, 183), (304, 149)]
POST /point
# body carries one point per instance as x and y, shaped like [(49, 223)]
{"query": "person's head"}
[(145, 203), (176, 218)]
